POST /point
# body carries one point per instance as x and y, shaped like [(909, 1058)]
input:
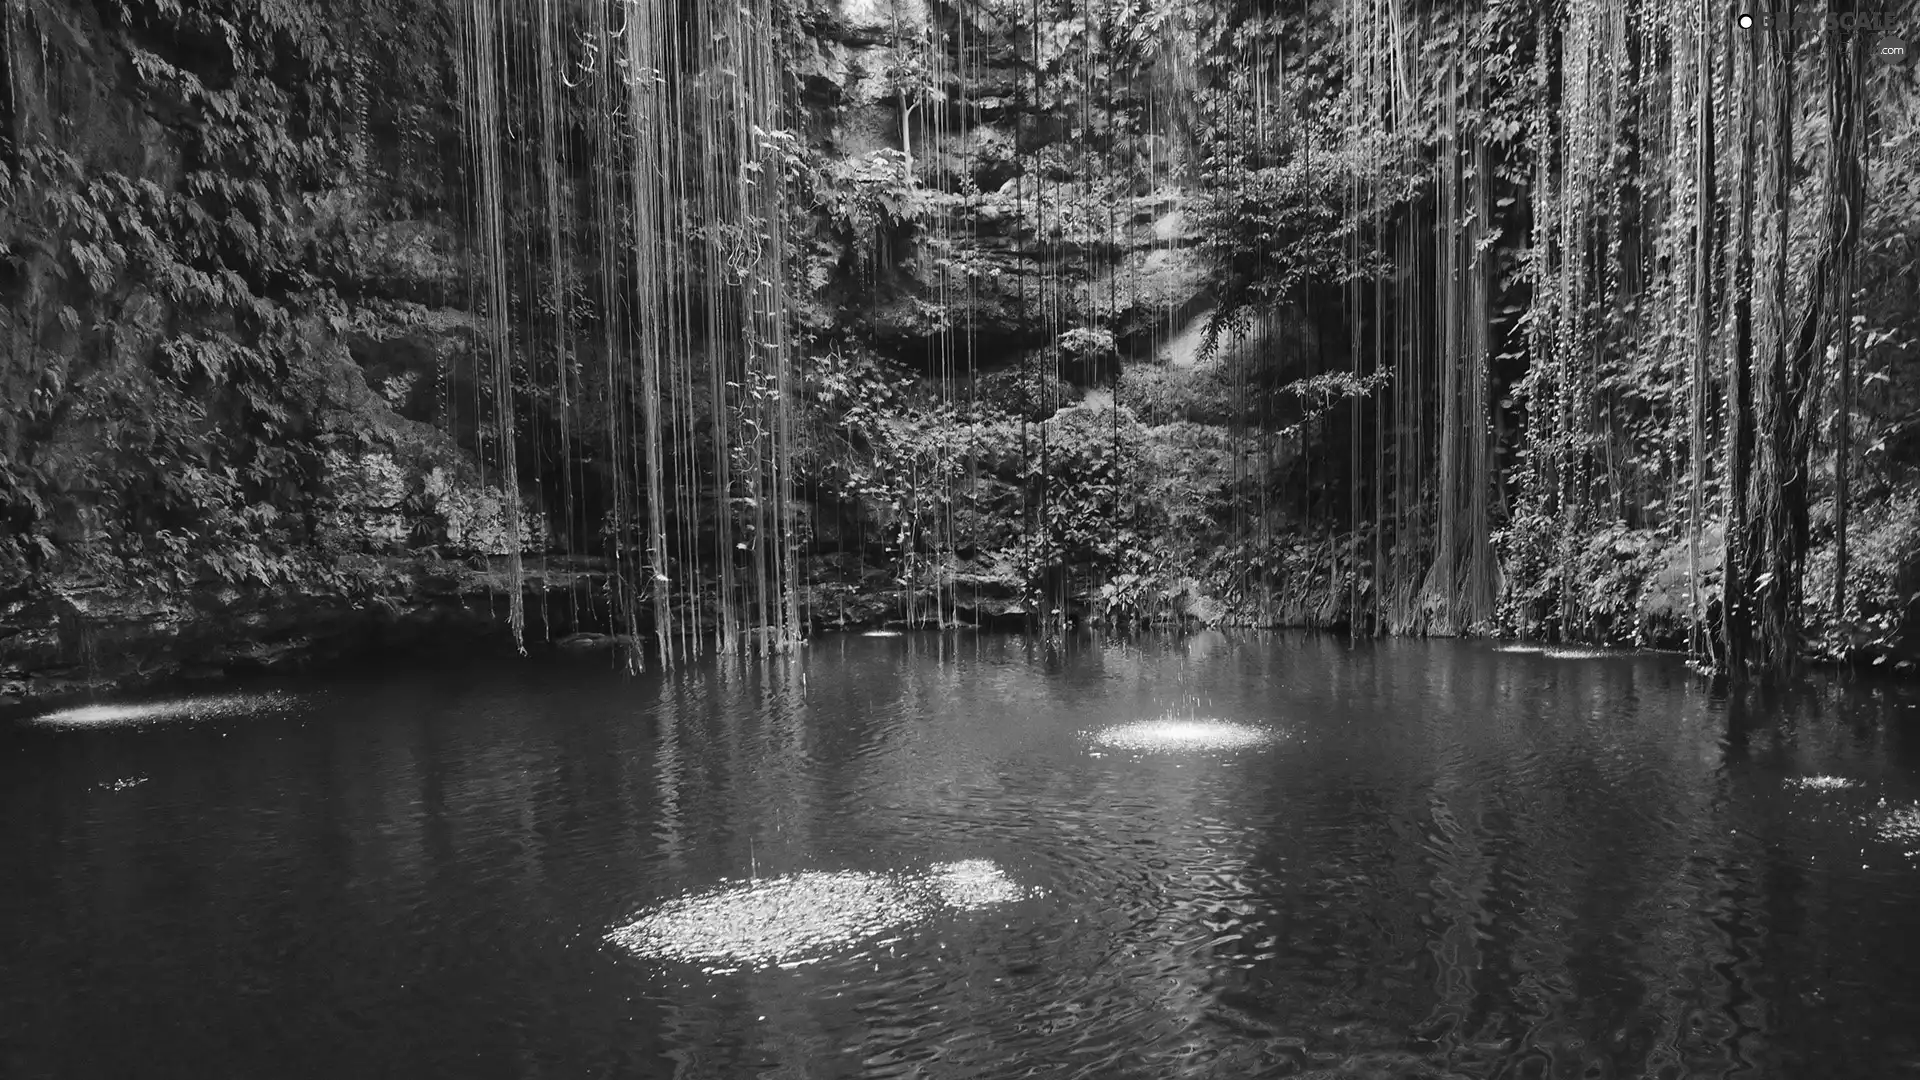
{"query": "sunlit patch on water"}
[(1172, 734), (1555, 652), (1898, 826), (801, 918), (144, 712), (123, 783), (1821, 783), (973, 883)]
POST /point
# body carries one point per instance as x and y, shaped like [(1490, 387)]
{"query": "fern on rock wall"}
[(190, 189)]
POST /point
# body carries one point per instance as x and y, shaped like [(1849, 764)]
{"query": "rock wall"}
[(81, 635), (303, 330), (236, 359)]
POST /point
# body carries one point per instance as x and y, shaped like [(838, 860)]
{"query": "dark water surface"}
[(1444, 860)]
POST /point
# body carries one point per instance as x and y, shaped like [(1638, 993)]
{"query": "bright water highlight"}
[(804, 917), (122, 714)]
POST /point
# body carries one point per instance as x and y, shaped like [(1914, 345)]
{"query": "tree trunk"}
[(1735, 621), (1847, 186)]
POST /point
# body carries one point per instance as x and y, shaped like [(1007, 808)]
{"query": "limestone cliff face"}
[(238, 307), (218, 257), (234, 335)]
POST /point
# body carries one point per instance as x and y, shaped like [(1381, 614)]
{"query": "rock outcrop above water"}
[(85, 636)]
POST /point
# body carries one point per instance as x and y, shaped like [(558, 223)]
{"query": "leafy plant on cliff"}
[(868, 203), (170, 286)]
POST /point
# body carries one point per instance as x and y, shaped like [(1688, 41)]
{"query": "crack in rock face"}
[(801, 918), (1171, 734)]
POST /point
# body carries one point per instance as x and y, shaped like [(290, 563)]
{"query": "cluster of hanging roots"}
[(1655, 188), (1649, 194), (669, 274)]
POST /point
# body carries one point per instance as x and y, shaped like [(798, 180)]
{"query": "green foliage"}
[(1529, 549), (1187, 481), (365, 503), (1068, 211), (1158, 393), (1085, 478), (172, 310), (1611, 573), (876, 451), (1271, 231), (1883, 618), (1033, 391), (867, 200), (1174, 559), (458, 518), (1086, 342)]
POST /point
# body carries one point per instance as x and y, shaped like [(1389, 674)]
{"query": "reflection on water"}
[(1456, 863), (142, 712)]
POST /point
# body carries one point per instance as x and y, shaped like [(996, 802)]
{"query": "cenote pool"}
[(1231, 856)]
